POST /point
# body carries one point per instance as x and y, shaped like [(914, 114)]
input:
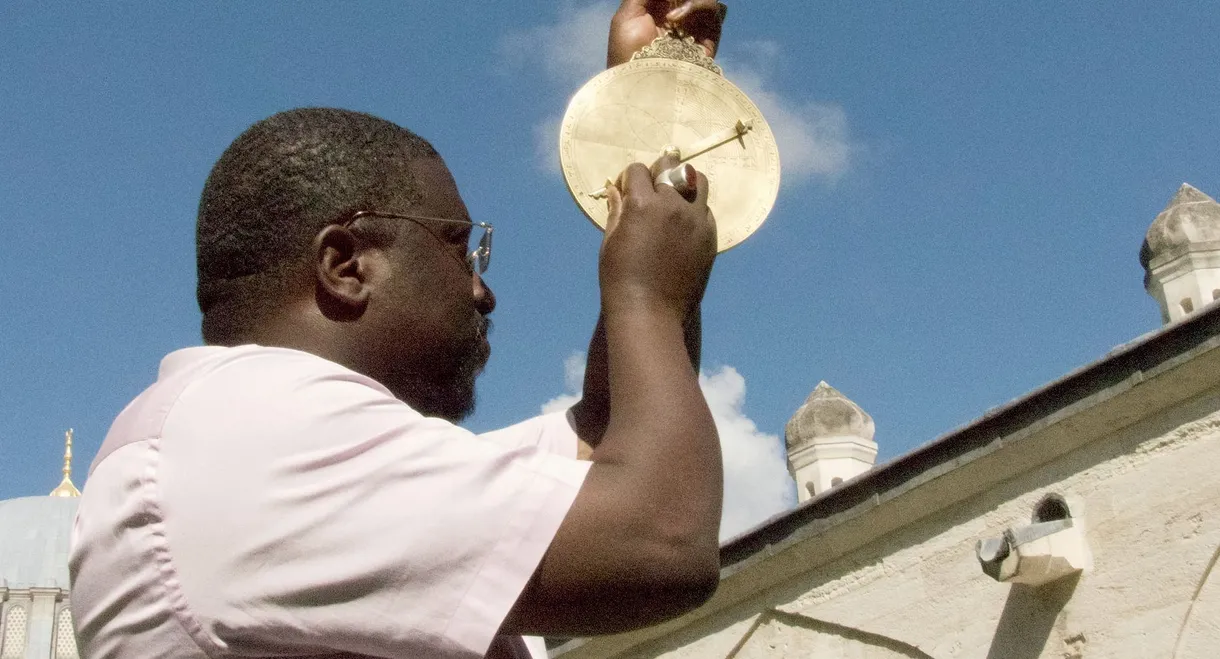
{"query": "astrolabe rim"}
[(764, 165)]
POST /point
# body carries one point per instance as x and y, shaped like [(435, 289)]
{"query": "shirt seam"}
[(162, 555), (167, 572)]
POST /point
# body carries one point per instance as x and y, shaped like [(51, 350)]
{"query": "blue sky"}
[(966, 188)]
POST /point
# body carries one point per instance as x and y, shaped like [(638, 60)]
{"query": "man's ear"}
[(341, 272)]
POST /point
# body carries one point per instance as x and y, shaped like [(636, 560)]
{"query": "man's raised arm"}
[(640, 542), (635, 25)]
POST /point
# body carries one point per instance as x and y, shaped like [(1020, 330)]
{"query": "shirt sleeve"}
[(315, 510), (554, 433)]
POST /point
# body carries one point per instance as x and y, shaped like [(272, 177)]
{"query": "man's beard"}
[(451, 397)]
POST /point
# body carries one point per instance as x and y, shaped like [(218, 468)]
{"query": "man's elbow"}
[(691, 548), (689, 573), (660, 590), (699, 583)]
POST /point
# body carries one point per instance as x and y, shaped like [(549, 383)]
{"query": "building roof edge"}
[(1200, 330)]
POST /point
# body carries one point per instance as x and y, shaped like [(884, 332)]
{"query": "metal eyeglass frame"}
[(477, 260)]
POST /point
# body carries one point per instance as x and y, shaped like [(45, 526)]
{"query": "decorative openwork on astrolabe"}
[(672, 97)]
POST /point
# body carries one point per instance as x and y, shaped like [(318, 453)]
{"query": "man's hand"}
[(658, 247), (638, 22), (592, 412)]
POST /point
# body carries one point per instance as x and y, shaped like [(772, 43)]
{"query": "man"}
[(296, 487)]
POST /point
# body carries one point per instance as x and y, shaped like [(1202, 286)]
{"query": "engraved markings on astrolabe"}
[(709, 143), (640, 110)]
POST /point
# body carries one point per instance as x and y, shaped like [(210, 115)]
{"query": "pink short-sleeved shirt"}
[(265, 502)]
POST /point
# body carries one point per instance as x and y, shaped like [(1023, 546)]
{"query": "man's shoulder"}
[(207, 385), (255, 379), (266, 361), (250, 371)]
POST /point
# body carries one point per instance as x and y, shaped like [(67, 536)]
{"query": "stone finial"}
[(828, 413), (1191, 217), (1181, 255)]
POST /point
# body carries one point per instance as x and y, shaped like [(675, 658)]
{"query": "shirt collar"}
[(180, 359)]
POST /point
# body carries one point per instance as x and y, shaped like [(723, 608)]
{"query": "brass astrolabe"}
[(672, 97)]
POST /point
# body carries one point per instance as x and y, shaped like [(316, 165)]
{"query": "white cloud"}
[(546, 144), (756, 480), (573, 379), (569, 51), (814, 139), (574, 371)]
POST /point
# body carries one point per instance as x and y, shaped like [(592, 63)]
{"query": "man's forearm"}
[(693, 335), (592, 412), (645, 522)]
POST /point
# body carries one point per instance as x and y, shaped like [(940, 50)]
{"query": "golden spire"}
[(66, 488)]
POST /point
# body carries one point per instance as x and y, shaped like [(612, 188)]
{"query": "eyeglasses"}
[(479, 256)]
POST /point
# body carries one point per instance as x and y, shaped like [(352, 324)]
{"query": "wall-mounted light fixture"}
[(1051, 547)]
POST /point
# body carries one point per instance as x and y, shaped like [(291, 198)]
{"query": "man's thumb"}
[(614, 200)]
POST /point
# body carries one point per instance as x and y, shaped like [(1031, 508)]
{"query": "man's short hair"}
[(278, 184)]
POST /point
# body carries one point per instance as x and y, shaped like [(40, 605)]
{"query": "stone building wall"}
[(1135, 452), (1151, 498)]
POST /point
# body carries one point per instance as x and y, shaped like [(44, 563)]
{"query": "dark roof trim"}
[(1118, 365)]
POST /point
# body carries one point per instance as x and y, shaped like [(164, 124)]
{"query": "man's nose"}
[(484, 299)]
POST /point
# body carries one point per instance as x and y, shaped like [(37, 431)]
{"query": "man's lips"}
[(484, 328)]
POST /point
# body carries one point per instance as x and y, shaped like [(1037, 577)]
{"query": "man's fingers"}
[(666, 161), (614, 200), (703, 19), (634, 8), (631, 8), (690, 6), (635, 180), (701, 191)]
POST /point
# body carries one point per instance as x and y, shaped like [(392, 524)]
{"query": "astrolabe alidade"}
[(671, 97)]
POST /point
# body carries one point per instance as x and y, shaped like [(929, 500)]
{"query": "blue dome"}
[(34, 535)]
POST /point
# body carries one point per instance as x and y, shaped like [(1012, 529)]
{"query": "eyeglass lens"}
[(480, 249)]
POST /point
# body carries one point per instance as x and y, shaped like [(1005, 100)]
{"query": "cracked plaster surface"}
[(1151, 496)]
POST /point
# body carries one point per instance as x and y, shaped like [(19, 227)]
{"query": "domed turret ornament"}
[(65, 487), (672, 98)]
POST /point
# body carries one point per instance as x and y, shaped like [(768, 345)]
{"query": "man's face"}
[(429, 317)]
